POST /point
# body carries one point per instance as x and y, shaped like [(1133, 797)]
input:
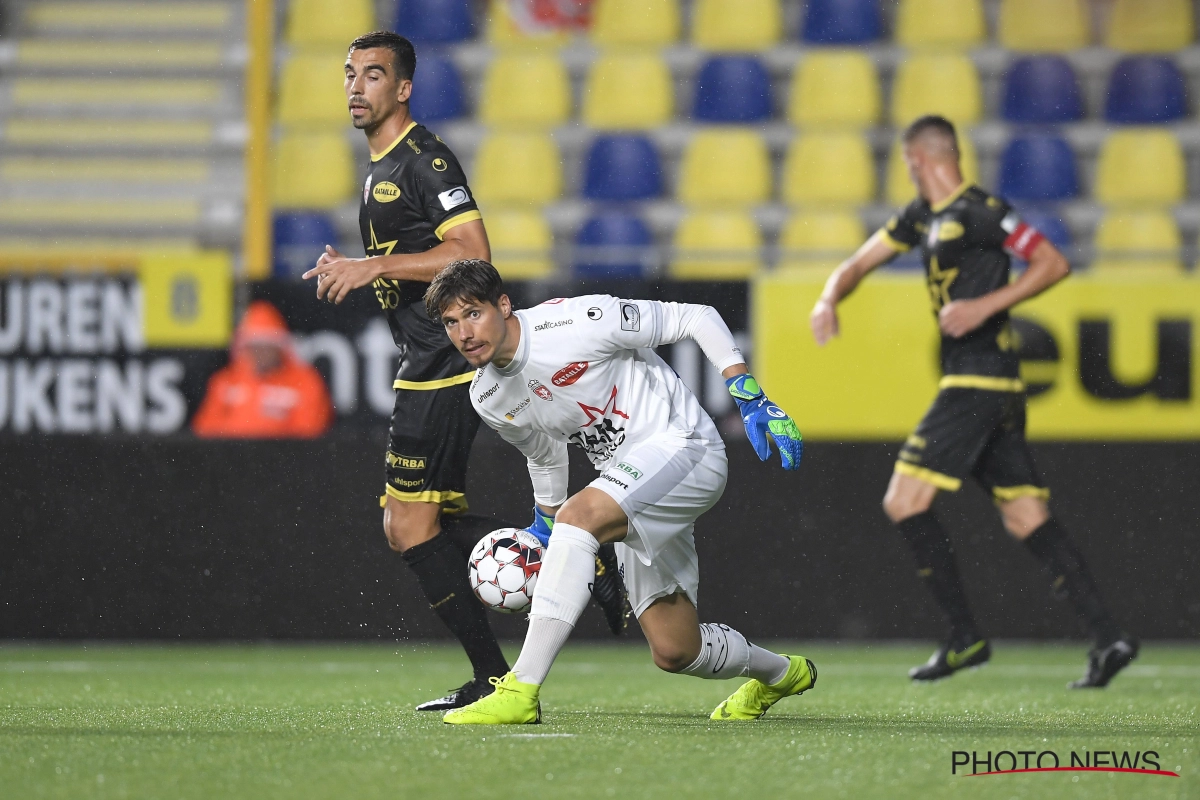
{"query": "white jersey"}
[(585, 373)]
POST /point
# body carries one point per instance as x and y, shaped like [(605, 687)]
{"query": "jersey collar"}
[(522, 357), (399, 138), (945, 203)]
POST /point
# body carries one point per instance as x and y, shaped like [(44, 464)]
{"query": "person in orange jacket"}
[(266, 391)]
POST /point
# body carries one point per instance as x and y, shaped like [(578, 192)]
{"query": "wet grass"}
[(337, 721)]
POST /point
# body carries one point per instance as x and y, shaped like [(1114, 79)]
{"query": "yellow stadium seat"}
[(1150, 26), (940, 23), (312, 170), (638, 23), (526, 90), (628, 91), (736, 25), (835, 88), (829, 168), (1138, 241), (819, 240), (725, 167), (716, 245), (945, 84), (1140, 167), (900, 190), (503, 31), (1041, 26), (514, 168), (521, 243), (311, 89), (334, 23)]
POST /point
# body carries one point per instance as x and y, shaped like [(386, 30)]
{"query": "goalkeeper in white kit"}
[(583, 370)]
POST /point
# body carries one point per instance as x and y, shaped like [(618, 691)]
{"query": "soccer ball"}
[(503, 569)]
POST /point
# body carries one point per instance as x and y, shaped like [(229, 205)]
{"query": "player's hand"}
[(338, 275), (824, 321), (959, 317), (766, 421), (542, 526)]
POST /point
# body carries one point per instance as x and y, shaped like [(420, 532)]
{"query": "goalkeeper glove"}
[(762, 417), (541, 527)]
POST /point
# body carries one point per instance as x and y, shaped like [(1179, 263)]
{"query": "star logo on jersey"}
[(377, 247), (610, 408), (603, 432)]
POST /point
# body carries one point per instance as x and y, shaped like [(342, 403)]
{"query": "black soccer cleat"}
[(958, 653), (1106, 662), (608, 590), (464, 695)]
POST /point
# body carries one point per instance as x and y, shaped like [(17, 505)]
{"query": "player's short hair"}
[(404, 57), (469, 279), (931, 127)]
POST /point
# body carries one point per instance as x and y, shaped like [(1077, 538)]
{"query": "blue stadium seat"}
[(1042, 90), (732, 89), (1146, 90), (435, 20), (300, 238), (622, 167), (842, 22), (613, 244), (437, 92), (1050, 224), (1038, 167)]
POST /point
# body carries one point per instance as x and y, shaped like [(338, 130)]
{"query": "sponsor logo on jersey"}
[(604, 430), (453, 198), (631, 317), (630, 470), (554, 323), (595, 313), (478, 375), (611, 479), (949, 229), (488, 393), (385, 192), (569, 374), (553, 302), (540, 390), (399, 461), (512, 412), (407, 484), (413, 145), (439, 164)]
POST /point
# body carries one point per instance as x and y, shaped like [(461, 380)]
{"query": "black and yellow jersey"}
[(415, 191), (965, 243)]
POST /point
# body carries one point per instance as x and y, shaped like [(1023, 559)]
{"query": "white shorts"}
[(663, 485)]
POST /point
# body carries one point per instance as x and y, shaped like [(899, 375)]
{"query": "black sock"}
[(441, 569), (1051, 545), (935, 564)]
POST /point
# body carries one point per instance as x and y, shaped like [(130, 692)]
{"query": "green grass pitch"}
[(337, 722)]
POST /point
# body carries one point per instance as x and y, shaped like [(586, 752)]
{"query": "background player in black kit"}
[(976, 425), (417, 215)]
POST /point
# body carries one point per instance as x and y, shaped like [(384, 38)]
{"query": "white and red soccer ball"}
[(503, 569)]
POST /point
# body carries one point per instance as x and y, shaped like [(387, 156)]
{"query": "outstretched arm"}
[(875, 251)]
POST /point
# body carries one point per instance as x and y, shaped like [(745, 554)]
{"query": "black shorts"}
[(974, 432), (428, 446)]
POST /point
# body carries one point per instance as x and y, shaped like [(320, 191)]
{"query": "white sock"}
[(725, 653), (563, 590)]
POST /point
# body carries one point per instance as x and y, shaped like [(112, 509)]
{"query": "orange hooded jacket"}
[(290, 401)]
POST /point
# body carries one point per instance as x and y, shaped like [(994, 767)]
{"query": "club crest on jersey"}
[(604, 430), (367, 189), (569, 374), (540, 390), (386, 191)]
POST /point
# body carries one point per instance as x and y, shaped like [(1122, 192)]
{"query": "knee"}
[(899, 507), (405, 530), (1022, 517), (673, 659)]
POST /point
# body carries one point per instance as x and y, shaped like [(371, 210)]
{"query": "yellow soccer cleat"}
[(754, 698), (512, 703)]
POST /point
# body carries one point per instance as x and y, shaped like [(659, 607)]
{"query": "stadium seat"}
[(1150, 26), (525, 90), (725, 167), (329, 23), (622, 167), (438, 91), (432, 21), (842, 22), (628, 91), (1140, 167), (300, 239), (940, 23), (517, 168), (312, 170), (716, 245), (1042, 90), (635, 23), (503, 32), (1038, 167), (829, 168), (1141, 241), (521, 243), (1146, 90), (736, 26), (835, 88), (1050, 225), (1044, 26), (613, 244), (732, 89), (945, 84), (819, 240), (311, 90), (900, 190)]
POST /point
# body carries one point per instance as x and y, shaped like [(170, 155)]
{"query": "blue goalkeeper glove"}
[(541, 527), (762, 417)]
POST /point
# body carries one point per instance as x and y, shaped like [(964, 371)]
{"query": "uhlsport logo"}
[(488, 393), (1007, 762)]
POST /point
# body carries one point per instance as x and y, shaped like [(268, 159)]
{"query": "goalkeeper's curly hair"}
[(469, 279)]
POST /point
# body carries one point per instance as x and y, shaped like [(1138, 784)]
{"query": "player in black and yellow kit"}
[(976, 425), (417, 215)]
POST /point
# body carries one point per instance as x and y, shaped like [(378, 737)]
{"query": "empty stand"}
[(431, 20), (1041, 90), (819, 239), (521, 243), (1038, 167), (622, 167), (732, 89), (940, 23), (1146, 90), (725, 167), (1140, 166), (1044, 26), (525, 90), (300, 239), (628, 91), (736, 25), (716, 245), (1051, 226), (1143, 242), (328, 23), (843, 22), (644, 23), (311, 89), (437, 91), (1150, 26), (944, 83), (613, 244), (829, 168), (517, 168), (838, 88), (312, 170)]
